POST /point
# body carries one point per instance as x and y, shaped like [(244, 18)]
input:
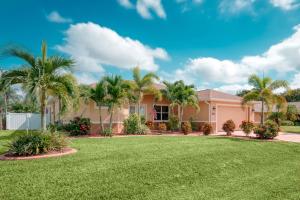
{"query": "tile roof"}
[(209, 94)]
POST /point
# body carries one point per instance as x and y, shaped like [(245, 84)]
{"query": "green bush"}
[(78, 126), (297, 123), (268, 130), (229, 127), (207, 129), (35, 143), (287, 123), (186, 127), (247, 127), (174, 123), (133, 125), (107, 132)]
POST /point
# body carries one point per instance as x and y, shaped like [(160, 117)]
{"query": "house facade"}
[(215, 108)]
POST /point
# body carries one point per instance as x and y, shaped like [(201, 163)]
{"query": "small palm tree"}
[(117, 94), (143, 84), (43, 77), (181, 95), (263, 91), (98, 95)]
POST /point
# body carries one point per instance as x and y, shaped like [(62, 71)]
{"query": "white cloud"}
[(146, 7), (233, 88), (295, 83), (285, 4), (94, 46), (126, 3), (86, 78), (236, 6), (55, 17), (282, 58)]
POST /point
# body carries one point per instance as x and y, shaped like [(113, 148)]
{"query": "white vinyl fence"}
[(24, 121)]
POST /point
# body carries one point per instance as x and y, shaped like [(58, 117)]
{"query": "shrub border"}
[(65, 151)]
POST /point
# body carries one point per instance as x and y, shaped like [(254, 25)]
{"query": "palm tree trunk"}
[(43, 111), (100, 118), (262, 113), (181, 116), (110, 120), (1, 119)]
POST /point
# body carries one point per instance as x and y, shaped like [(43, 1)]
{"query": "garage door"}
[(224, 113)]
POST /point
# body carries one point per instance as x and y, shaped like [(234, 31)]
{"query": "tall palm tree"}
[(143, 84), (98, 95), (117, 94), (43, 77), (263, 91), (181, 95)]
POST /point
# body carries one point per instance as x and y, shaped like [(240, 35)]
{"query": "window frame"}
[(162, 105), (136, 109)]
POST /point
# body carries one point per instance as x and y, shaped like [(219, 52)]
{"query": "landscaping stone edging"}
[(65, 151)]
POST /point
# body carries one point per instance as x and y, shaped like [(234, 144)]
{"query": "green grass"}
[(291, 129), (159, 168)]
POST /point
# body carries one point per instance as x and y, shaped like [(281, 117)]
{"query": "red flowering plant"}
[(247, 127), (78, 126)]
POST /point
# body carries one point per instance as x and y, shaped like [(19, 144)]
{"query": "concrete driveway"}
[(287, 137)]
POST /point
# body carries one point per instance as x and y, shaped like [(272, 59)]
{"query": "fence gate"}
[(24, 121)]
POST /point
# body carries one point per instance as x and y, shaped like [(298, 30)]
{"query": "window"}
[(134, 109), (162, 113)]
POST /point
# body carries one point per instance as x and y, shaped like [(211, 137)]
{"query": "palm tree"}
[(43, 77), (181, 95), (263, 91), (98, 95), (143, 84), (117, 94)]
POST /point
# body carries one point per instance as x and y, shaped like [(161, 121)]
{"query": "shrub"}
[(247, 127), (143, 130), (78, 126), (107, 132), (162, 126), (131, 124), (277, 117), (150, 125), (269, 130), (287, 123), (186, 127), (297, 123), (229, 127), (174, 123), (207, 129), (35, 143)]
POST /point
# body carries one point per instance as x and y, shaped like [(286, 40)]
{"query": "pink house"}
[(215, 108)]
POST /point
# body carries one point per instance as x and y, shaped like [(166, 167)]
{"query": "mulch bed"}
[(65, 151)]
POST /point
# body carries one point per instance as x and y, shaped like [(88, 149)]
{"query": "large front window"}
[(162, 113), (134, 109)]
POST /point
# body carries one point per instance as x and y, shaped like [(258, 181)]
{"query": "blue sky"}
[(209, 43)]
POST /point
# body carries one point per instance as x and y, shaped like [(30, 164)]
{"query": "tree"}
[(292, 113), (292, 95), (181, 95), (117, 94), (98, 95), (263, 91), (241, 93), (43, 77), (143, 84)]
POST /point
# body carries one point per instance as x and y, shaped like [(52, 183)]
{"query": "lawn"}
[(159, 167), (291, 129)]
